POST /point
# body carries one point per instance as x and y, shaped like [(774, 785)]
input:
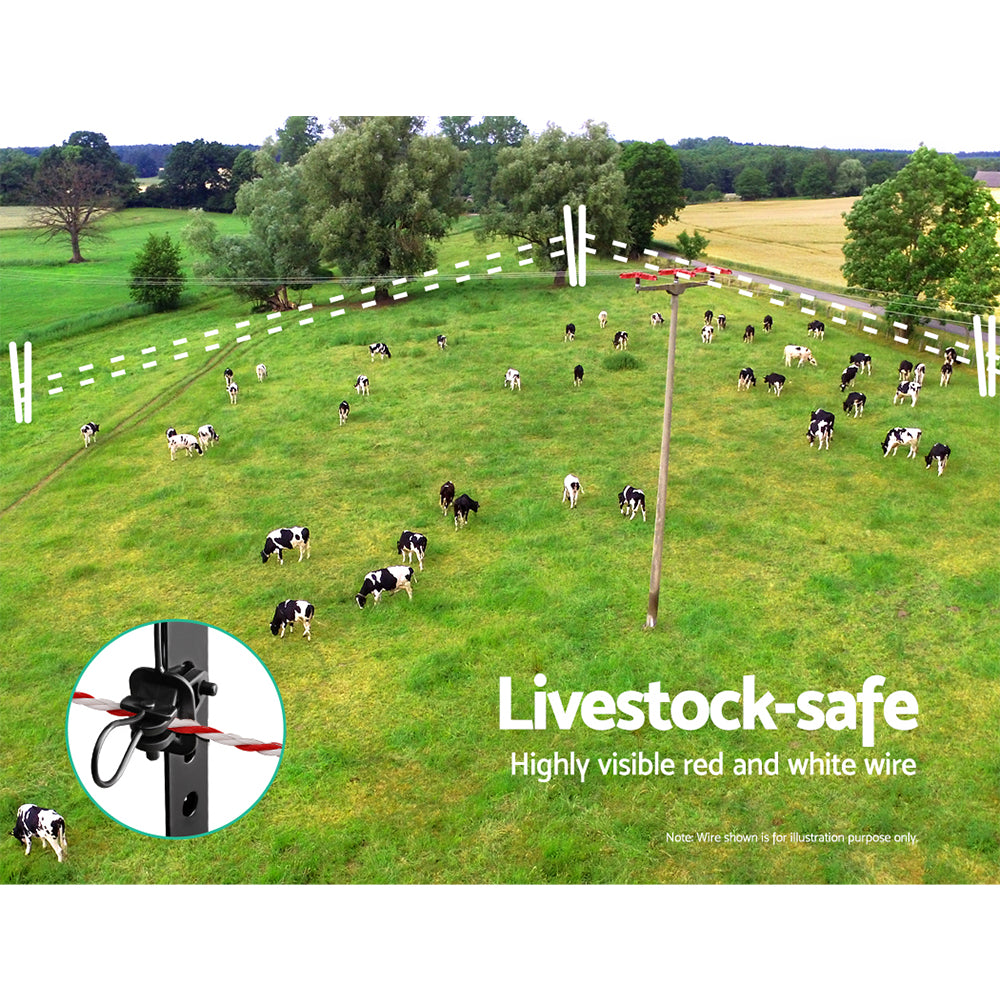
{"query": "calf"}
[(207, 436), (361, 385), (919, 373), (708, 317), (570, 333), (190, 444), (939, 452), (578, 375), (775, 382), (817, 328), (381, 581), (571, 490), (228, 375), (656, 319), (748, 334), (863, 361), (233, 390), (905, 370), (847, 376), (946, 371), (287, 613), (261, 372), (621, 340), (634, 500), (442, 341), (746, 379), (447, 495), (344, 410), (707, 333), (89, 430), (463, 505), (768, 323), (904, 389), (793, 351), (910, 436), (45, 824), (720, 321), (950, 355), (513, 379), (855, 401), (412, 543), (602, 318), (283, 540), (379, 351)]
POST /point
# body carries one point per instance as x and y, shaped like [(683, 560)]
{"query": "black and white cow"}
[(775, 383), (655, 319), (920, 373), (570, 333), (632, 500), (233, 390), (820, 428), (946, 370), (361, 385), (768, 323), (187, 442), (707, 332), (855, 401), (442, 341), (708, 317), (513, 379), (795, 351), (379, 351), (950, 355), (746, 379), (344, 409), (720, 321), (940, 452), (748, 334), (228, 376), (578, 375), (621, 340), (45, 824), (571, 490), (410, 544), (910, 436), (447, 495), (88, 431), (817, 328), (463, 505), (385, 580), (904, 389), (863, 361), (282, 540), (207, 436), (847, 376), (287, 613), (261, 372), (602, 318), (905, 370)]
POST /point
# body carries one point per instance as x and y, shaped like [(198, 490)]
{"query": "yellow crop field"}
[(788, 238)]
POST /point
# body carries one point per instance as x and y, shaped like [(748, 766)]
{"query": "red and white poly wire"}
[(186, 726)]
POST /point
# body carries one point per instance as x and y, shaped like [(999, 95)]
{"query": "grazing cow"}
[(287, 613), (344, 410), (282, 540), (88, 430), (904, 389), (802, 353), (571, 490), (768, 323), (946, 371), (442, 341), (45, 824), (706, 333), (748, 334), (919, 373), (412, 543), (379, 351), (578, 375), (381, 581), (775, 382), (621, 340), (655, 319), (939, 452), (950, 355), (820, 428), (855, 401), (188, 442), (233, 390), (708, 317), (447, 495), (863, 361), (513, 379), (228, 375), (463, 505), (602, 318), (910, 436), (261, 372), (634, 500), (746, 379), (361, 385), (720, 321), (817, 328), (847, 376), (570, 333), (207, 436), (905, 370)]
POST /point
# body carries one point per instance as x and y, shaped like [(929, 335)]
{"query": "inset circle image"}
[(175, 729)]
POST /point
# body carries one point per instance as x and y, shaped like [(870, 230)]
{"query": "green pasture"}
[(809, 570)]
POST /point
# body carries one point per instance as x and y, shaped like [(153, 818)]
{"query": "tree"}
[(379, 195), (751, 184), (17, 177), (692, 247), (924, 238), (157, 280), (653, 192), (199, 175), (536, 179), (299, 134), (850, 178), (815, 181)]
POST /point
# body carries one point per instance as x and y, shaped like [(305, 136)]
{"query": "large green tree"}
[(297, 136), (481, 143), (380, 193), (199, 174), (653, 192), (157, 279), (925, 238), (536, 179)]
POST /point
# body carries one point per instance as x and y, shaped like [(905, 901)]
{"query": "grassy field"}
[(809, 570)]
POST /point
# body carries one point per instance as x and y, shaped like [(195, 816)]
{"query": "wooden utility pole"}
[(676, 289)]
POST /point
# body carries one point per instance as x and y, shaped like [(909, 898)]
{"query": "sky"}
[(843, 76)]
